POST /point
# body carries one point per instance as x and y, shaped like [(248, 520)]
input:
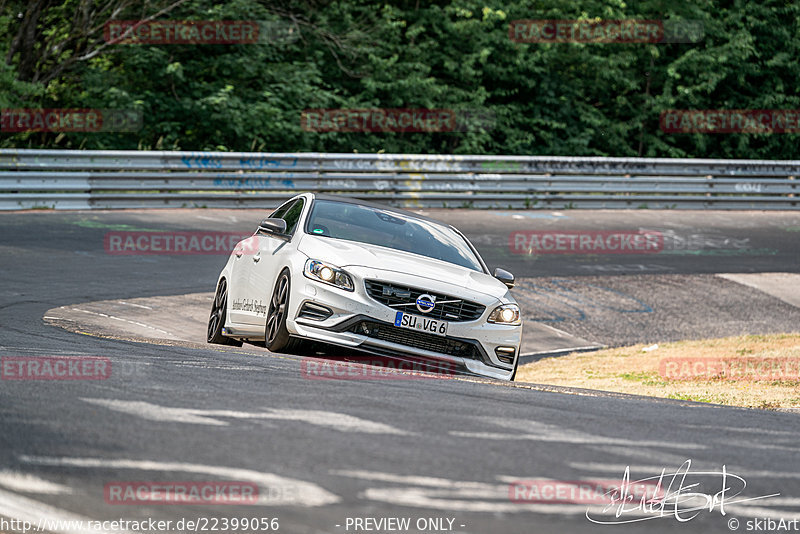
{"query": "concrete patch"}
[(784, 286), (173, 318)]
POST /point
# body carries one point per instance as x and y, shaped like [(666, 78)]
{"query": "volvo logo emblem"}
[(426, 303)]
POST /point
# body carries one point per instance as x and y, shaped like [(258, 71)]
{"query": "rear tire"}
[(216, 320)]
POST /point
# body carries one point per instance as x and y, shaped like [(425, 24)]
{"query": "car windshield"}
[(374, 226)]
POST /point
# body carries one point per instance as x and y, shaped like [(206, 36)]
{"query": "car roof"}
[(376, 205)]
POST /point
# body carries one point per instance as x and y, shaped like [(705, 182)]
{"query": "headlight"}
[(505, 314), (323, 272)]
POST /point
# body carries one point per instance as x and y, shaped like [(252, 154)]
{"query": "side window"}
[(292, 215), (278, 213)]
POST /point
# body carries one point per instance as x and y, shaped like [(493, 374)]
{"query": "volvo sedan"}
[(355, 274)]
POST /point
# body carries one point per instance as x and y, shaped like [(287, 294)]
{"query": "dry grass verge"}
[(751, 371)]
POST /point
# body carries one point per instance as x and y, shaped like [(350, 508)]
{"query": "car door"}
[(240, 295), (267, 261)]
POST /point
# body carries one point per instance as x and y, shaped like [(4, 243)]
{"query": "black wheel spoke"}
[(212, 324), (282, 297), (217, 312), (277, 309)]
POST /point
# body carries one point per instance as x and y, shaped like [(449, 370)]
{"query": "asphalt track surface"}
[(324, 451)]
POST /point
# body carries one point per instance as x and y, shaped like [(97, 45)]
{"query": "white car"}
[(356, 274)]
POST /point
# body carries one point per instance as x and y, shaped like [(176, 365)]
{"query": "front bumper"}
[(358, 321)]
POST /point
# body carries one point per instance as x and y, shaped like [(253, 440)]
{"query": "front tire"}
[(276, 336), (216, 321)]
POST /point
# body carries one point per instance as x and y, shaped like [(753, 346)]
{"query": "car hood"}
[(343, 253)]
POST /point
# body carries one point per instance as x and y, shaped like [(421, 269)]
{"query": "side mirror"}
[(272, 226), (504, 276)]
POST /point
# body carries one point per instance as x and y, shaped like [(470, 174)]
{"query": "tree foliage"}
[(547, 98)]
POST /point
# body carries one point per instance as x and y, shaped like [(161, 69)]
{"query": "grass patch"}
[(633, 370)]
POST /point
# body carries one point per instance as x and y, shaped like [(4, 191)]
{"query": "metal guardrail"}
[(73, 179)]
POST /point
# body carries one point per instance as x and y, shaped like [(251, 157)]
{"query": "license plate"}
[(420, 324)]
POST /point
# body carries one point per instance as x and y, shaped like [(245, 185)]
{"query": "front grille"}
[(447, 308), (417, 340)]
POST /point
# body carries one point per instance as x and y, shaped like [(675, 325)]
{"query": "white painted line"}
[(630, 454), (34, 350), (433, 482), (274, 490), (134, 305), (47, 518), (456, 495), (206, 365), (656, 469), (539, 431), (124, 321), (636, 469), (481, 497), (563, 437), (468, 501), (334, 420), (153, 412), (755, 430), (745, 473), (585, 348), (25, 482), (775, 501)]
